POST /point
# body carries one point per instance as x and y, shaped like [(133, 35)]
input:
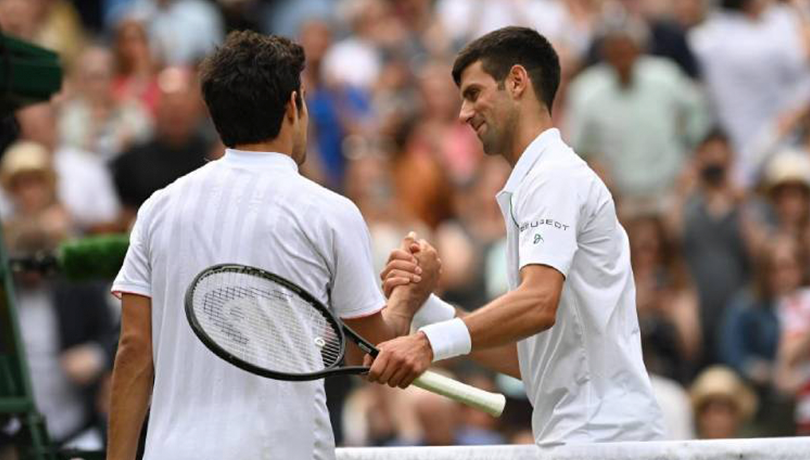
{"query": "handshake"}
[(408, 279)]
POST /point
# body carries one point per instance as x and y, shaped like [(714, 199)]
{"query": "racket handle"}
[(491, 403)]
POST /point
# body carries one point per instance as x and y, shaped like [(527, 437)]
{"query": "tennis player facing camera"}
[(568, 326), (250, 207)]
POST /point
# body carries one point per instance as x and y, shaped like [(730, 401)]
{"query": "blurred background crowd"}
[(696, 113)]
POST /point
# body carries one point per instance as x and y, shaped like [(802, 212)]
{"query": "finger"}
[(393, 282), (401, 254), (404, 265), (390, 368), (368, 361), (377, 368), (408, 240), (398, 377)]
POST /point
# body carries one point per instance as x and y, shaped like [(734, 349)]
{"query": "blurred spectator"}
[(722, 403), (666, 300), (477, 427), (566, 23), (93, 119), (67, 330), (177, 147), (356, 60), (287, 17), (679, 420), (135, 68), (793, 362), (420, 182), (181, 32), (376, 415), (667, 36), (749, 336), (84, 184), (28, 177), (473, 238), (711, 220), (753, 60), (634, 111), (454, 143), (369, 184), (53, 24), (336, 110), (786, 184)]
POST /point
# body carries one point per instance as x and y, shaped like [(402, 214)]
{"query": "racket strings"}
[(265, 324)]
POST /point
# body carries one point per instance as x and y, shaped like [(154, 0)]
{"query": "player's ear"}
[(292, 107), (517, 80)]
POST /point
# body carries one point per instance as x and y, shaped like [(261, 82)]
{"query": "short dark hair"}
[(499, 50), (247, 82)]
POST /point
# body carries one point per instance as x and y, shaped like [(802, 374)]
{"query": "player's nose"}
[(466, 112)]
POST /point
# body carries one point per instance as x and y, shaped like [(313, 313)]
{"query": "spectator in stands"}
[(793, 361), (135, 68), (177, 147), (67, 330), (84, 184), (786, 183), (722, 403), (634, 111), (749, 334), (181, 32), (711, 220), (92, 119), (666, 299), (753, 60)]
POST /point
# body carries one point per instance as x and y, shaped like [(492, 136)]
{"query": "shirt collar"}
[(259, 159), (529, 157)]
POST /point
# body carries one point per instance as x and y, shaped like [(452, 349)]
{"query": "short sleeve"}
[(546, 211), (135, 276), (354, 290)]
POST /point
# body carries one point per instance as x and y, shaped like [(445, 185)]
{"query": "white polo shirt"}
[(250, 208), (585, 376)]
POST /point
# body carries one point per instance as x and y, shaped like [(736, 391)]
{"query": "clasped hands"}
[(412, 272)]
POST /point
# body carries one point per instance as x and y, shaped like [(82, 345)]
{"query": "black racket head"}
[(263, 323)]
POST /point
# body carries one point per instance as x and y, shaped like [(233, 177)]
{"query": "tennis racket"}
[(269, 326)]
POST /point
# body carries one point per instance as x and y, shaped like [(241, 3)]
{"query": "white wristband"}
[(448, 339), (434, 310)]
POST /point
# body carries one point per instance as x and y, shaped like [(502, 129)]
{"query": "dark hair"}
[(247, 82), (734, 5), (499, 50), (716, 133)]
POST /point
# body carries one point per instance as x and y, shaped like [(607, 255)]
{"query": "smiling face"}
[(489, 110)]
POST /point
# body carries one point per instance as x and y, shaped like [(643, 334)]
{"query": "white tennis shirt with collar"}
[(585, 376), (251, 208)]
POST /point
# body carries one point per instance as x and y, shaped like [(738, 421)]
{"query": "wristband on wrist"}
[(448, 339), (434, 310)]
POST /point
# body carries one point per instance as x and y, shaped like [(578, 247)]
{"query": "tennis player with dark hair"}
[(250, 207), (568, 327)]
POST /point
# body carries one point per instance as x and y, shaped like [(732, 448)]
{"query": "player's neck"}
[(281, 144), (527, 131)]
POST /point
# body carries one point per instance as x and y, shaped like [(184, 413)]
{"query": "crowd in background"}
[(696, 113)]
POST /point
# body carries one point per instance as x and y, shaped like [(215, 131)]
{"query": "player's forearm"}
[(131, 390), (512, 317)]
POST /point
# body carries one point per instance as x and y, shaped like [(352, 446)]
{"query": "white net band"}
[(725, 449)]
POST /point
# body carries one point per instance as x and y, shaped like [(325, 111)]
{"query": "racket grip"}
[(491, 403)]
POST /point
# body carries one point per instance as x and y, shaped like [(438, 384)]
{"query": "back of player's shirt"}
[(255, 209)]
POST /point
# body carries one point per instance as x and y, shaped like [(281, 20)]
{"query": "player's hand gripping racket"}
[(269, 326)]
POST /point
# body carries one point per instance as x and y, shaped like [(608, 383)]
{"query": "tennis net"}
[(724, 449)]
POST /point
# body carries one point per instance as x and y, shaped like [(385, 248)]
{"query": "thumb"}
[(409, 241)]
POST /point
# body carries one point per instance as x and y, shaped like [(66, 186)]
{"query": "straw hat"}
[(722, 382), (25, 157), (787, 166)]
